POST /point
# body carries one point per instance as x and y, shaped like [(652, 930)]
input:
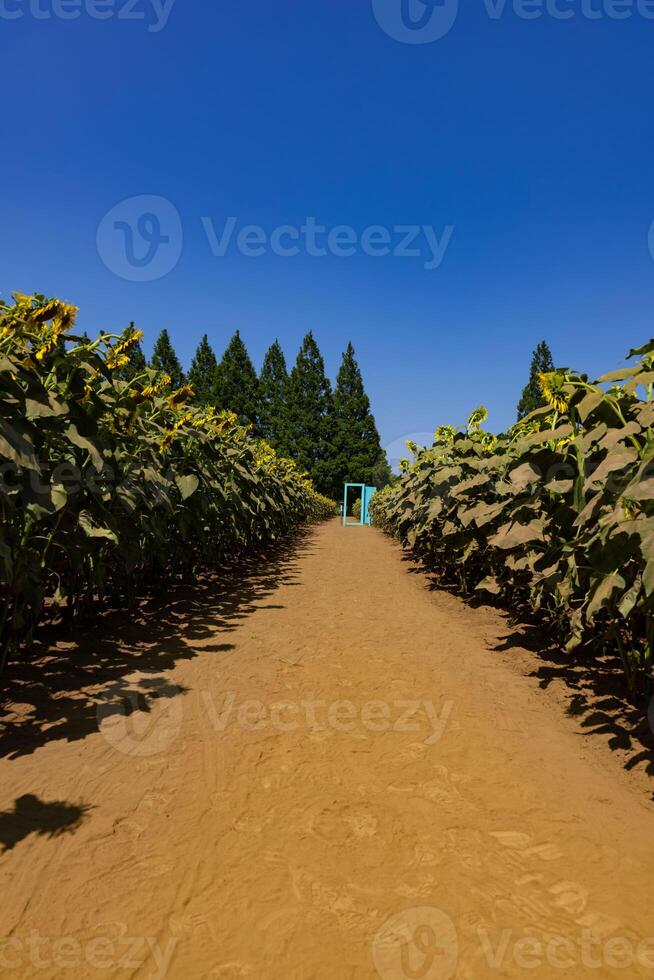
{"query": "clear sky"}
[(524, 146)]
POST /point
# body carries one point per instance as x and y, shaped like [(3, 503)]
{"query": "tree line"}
[(330, 432)]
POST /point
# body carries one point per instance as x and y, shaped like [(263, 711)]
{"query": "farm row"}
[(555, 517), (109, 486)]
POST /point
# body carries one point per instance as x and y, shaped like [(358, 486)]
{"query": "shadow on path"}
[(599, 695), (600, 699), (30, 815), (55, 693)]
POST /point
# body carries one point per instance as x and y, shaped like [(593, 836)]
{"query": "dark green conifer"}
[(358, 456), (236, 383), (311, 417), (165, 361), (273, 410), (202, 374), (532, 396)]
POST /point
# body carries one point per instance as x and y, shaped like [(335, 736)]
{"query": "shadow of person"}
[(30, 815)]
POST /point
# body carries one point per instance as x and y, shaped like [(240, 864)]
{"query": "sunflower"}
[(552, 385), (116, 360), (629, 509), (444, 434), (118, 355), (51, 337), (180, 397), (477, 417), (171, 433)]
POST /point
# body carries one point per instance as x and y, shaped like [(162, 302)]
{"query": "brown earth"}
[(322, 771)]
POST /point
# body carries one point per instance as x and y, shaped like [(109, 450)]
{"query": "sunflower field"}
[(554, 518), (110, 487)]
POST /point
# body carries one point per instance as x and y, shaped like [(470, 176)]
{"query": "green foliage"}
[(356, 509), (164, 360), (111, 487), (273, 411), (358, 456), (311, 417), (532, 396), (556, 517), (202, 374), (381, 475), (236, 386)]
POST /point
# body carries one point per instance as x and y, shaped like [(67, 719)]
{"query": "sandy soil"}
[(321, 772)]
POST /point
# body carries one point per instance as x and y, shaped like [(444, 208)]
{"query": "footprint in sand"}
[(230, 971), (338, 823), (570, 895)]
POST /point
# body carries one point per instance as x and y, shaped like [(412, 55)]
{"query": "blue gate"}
[(366, 494)]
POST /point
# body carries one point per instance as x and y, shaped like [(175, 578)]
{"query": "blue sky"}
[(531, 138)]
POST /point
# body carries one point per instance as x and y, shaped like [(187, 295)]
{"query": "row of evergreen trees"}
[(331, 434)]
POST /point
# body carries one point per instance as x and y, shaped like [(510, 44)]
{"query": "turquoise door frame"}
[(366, 494), (365, 513)]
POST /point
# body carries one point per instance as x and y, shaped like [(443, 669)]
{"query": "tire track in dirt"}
[(347, 785)]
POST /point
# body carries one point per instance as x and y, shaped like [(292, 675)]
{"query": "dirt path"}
[(334, 778)]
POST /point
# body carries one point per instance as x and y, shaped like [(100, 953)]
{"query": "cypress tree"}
[(165, 360), (236, 384), (532, 397), (202, 375), (273, 412), (137, 363), (358, 454), (310, 417)]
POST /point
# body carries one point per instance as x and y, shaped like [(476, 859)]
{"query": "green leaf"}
[(604, 593), (187, 485), (589, 403), (489, 584), (524, 475), (75, 436), (44, 406), (93, 530), (647, 348), (622, 375), (17, 446), (514, 535)]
